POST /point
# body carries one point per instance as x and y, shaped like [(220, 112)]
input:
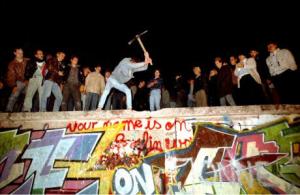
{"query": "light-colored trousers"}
[(113, 83), (34, 84)]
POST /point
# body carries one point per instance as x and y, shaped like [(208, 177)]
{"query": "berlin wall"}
[(215, 150)]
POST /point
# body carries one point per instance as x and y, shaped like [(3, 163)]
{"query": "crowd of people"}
[(47, 83)]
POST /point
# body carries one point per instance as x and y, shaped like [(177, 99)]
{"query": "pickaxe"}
[(138, 38)]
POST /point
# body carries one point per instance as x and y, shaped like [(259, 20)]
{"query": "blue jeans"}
[(113, 83), (35, 84), (154, 99), (14, 96), (91, 101), (227, 98), (48, 87), (83, 100)]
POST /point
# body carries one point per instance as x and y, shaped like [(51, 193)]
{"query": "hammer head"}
[(137, 36)]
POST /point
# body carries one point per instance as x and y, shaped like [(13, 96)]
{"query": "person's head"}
[(1, 85), (242, 57), (213, 72), (107, 74), (142, 84), (233, 60), (178, 76), (74, 61), (254, 53), (39, 55), (197, 70), (60, 56), (218, 62), (157, 73), (48, 56), (272, 46), (86, 70), (135, 59), (18, 52), (98, 68)]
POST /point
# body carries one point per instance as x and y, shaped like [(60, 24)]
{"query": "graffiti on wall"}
[(152, 156)]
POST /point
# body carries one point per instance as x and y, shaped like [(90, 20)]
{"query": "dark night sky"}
[(180, 34)]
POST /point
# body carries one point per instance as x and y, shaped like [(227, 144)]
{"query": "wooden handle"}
[(142, 46)]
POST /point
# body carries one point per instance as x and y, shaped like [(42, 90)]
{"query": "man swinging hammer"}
[(123, 73)]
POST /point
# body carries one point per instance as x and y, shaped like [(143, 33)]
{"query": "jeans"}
[(91, 101), (227, 98), (154, 99), (71, 89), (113, 83), (14, 96), (48, 87), (191, 101), (34, 84), (83, 99)]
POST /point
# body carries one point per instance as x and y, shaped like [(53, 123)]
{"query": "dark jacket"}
[(67, 73), (141, 99), (15, 72), (158, 84), (30, 69), (262, 69), (199, 83), (53, 67), (213, 97), (224, 81)]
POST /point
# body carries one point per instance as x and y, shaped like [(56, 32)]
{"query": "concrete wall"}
[(222, 150)]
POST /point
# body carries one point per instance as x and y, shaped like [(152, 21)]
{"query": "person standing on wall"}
[(155, 86), (94, 87), (224, 83), (34, 73), (199, 88), (121, 75), (15, 78), (53, 80), (283, 69), (73, 79)]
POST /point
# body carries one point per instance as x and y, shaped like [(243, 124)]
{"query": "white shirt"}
[(280, 61)]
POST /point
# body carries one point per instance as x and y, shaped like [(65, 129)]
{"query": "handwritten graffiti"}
[(128, 125), (152, 155)]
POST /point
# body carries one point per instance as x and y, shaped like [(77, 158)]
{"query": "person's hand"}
[(60, 73), (212, 73), (269, 82), (146, 54), (151, 84), (148, 60), (14, 90), (240, 65), (82, 89)]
